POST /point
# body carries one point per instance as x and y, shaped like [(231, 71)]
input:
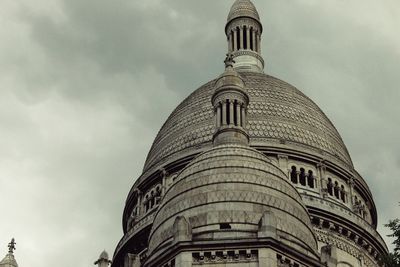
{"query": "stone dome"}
[(104, 255), (9, 261), (232, 184), (243, 8), (279, 117)]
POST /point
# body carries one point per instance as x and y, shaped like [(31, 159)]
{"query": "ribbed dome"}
[(243, 8), (232, 184), (279, 116)]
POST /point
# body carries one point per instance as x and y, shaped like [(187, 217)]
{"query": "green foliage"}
[(393, 259)]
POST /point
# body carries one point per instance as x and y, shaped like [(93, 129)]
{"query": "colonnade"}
[(231, 112), (244, 37)]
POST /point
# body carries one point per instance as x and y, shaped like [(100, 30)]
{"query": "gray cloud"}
[(85, 86)]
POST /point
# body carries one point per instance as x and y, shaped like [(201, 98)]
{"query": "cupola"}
[(9, 259), (243, 31), (230, 101)]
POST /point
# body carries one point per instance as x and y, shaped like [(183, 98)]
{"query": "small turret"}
[(103, 260), (230, 102), (243, 31), (9, 260)]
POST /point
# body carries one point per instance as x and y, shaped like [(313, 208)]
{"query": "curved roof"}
[(202, 190), (279, 115), (9, 261), (104, 255), (243, 8)]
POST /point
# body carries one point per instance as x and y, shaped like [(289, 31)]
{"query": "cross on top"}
[(11, 246)]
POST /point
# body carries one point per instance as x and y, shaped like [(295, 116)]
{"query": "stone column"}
[(351, 191), (238, 114), (241, 37), (231, 114), (243, 115), (256, 41), (259, 43), (248, 37), (230, 47), (224, 122), (139, 203), (218, 116), (283, 163), (321, 173), (235, 44), (253, 36), (183, 259)]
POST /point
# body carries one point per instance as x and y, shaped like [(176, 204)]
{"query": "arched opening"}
[(302, 177), (220, 114), (293, 175), (245, 37), (232, 40), (251, 39), (330, 187), (310, 179), (228, 113), (238, 38)]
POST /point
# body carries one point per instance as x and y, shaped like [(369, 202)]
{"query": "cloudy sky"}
[(86, 84)]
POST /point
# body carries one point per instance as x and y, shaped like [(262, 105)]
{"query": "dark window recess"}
[(235, 115), (245, 37), (238, 38), (310, 179), (330, 186), (225, 226), (336, 190), (228, 113), (233, 40), (293, 175), (251, 39), (302, 177)]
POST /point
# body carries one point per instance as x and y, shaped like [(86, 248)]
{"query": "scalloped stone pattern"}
[(243, 8), (277, 112)]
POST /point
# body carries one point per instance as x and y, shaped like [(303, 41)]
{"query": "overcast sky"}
[(86, 84)]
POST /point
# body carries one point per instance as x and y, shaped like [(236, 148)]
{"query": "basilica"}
[(248, 172)]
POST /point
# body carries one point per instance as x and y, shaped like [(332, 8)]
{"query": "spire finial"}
[(11, 246)]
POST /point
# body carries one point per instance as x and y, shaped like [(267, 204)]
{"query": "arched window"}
[(293, 175), (310, 179), (330, 186), (238, 38), (302, 176), (336, 190)]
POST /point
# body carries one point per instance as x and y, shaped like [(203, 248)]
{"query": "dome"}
[(279, 117), (104, 255), (9, 261), (232, 185), (243, 8)]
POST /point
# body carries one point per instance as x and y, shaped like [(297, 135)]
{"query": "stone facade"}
[(248, 171)]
